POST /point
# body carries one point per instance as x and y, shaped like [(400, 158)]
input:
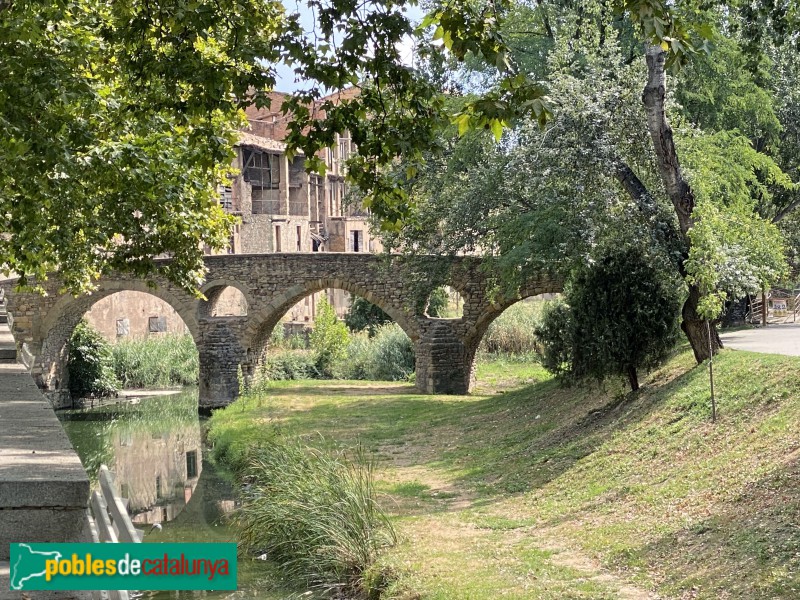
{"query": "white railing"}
[(109, 522)]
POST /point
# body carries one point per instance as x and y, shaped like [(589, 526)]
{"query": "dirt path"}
[(454, 531)]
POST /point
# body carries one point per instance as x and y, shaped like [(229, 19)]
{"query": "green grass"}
[(156, 362), (532, 490)]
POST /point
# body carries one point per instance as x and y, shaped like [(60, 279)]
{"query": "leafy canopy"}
[(117, 119)]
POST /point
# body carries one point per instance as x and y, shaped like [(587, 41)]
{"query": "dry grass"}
[(545, 492)]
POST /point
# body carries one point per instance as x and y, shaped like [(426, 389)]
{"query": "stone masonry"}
[(271, 284)]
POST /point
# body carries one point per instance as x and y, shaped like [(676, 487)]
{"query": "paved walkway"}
[(772, 339), (43, 487)]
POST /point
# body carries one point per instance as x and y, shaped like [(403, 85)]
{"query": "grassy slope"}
[(545, 492)]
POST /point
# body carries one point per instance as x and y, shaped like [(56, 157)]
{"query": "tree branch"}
[(634, 186), (787, 210), (654, 99)]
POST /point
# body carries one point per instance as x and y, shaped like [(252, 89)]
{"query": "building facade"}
[(281, 208)]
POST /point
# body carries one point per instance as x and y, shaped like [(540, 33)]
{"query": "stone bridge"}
[(271, 284)]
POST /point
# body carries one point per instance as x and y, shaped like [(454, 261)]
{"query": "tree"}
[(117, 119), (557, 197), (362, 315), (90, 363), (328, 339), (621, 317)]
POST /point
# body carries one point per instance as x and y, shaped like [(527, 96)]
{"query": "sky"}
[(286, 78)]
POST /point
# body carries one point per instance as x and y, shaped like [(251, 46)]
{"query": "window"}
[(296, 170), (157, 324), (317, 193), (263, 172), (226, 197), (277, 238), (123, 327), (344, 148), (356, 241), (299, 238), (191, 464)]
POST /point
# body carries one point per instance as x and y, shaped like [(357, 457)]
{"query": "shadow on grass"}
[(503, 444), (749, 548)]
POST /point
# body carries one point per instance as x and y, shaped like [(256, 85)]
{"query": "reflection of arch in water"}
[(157, 455), (57, 327)]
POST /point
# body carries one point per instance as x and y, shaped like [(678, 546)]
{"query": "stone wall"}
[(134, 315)]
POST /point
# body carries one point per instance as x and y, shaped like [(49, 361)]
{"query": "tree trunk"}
[(679, 192), (633, 378), (696, 329)]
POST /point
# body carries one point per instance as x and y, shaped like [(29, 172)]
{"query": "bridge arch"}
[(260, 325), (217, 292), (55, 329)]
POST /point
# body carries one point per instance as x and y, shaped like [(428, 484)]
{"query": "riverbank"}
[(528, 490)]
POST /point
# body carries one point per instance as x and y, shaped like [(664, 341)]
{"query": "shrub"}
[(279, 340), (315, 515), (388, 356), (513, 332), (355, 364), (622, 316), (288, 364), (157, 361), (555, 336), (328, 339), (362, 315), (90, 363), (391, 355)]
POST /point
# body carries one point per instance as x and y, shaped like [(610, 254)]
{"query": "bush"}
[(89, 363), (622, 317), (514, 331), (328, 339), (157, 361), (555, 336), (315, 515), (355, 364), (391, 355), (388, 356), (279, 340), (362, 315), (288, 364)]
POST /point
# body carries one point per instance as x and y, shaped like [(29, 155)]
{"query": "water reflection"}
[(153, 447)]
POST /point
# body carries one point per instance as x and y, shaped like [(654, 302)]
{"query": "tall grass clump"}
[(162, 361), (386, 356), (513, 332), (315, 516), (288, 364)]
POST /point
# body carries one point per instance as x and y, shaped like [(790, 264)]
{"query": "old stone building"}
[(281, 207)]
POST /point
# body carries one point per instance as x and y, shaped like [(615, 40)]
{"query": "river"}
[(155, 446)]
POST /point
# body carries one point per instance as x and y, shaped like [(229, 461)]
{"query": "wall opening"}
[(359, 341), (512, 332), (151, 346), (444, 302), (224, 301)]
